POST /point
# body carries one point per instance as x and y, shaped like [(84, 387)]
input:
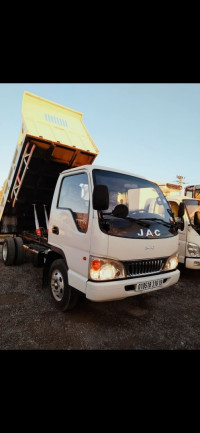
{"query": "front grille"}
[(144, 267)]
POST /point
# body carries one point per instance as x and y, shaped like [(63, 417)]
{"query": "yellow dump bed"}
[(49, 123), (53, 138)]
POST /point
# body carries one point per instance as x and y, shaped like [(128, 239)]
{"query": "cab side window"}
[(74, 195)]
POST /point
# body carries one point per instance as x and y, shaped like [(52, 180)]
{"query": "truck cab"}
[(189, 236), (115, 231)]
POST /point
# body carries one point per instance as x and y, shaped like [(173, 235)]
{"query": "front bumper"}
[(192, 263), (114, 290)]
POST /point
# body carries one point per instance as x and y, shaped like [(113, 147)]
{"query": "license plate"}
[(148, 285)]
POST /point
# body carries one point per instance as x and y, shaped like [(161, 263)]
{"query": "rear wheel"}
[(8, 251), (64, 296), (19, 256)]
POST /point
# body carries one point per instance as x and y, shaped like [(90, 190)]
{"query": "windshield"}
[(144, 200), (192, 206)]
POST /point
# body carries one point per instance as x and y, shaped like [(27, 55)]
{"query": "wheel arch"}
[(54, 254)]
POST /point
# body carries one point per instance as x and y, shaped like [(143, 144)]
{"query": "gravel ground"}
[(167, 319)]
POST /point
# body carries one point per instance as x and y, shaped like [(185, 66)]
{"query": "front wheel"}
[(64, 296)]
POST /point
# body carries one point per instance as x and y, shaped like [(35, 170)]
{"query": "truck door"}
[(70, 226), (182, 233)]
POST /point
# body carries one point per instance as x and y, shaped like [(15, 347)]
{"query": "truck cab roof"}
[(179, 198), (90, 168)]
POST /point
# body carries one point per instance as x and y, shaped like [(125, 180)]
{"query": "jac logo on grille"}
[(149, 233)]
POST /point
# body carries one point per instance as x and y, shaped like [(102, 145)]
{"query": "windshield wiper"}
[(160, 220), (121, 211), (137, 220)]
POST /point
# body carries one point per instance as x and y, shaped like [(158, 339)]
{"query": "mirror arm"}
[(180, 224)]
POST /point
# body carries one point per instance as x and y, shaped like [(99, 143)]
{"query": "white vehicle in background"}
[(189, 236)]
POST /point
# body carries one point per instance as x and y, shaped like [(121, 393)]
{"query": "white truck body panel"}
[(131, 249), (115, 290)]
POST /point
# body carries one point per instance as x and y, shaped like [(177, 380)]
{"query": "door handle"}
[(55, 230)]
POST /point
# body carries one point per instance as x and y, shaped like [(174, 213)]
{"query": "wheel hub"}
[(5, 251), (57, 285)]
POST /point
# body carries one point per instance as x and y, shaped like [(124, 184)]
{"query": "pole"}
[(46, 218), (37, 228)]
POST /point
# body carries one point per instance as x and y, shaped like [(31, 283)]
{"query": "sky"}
[(148, 129)]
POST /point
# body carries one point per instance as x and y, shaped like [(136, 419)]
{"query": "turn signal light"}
[(95, 265)]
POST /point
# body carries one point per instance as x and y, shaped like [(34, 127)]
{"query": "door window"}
[(74, 195)]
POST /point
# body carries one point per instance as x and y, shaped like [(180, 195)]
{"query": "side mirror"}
[(180, 224), (179, 220), (100, 198), (181, 210), (197, 218)]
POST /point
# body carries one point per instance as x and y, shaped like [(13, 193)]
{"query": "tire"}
[(64, 296), (19, 255), (8, 251)]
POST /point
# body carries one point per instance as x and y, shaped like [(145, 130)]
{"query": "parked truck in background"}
[(188, 220), (189, 236), (102, 232)]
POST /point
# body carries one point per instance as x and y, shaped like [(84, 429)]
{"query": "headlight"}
[(105, 269), (193, 249), (171, 263)]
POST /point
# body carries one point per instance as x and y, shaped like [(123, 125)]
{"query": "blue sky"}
[(152, 130)]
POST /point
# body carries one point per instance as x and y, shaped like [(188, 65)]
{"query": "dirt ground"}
[(167, 319)]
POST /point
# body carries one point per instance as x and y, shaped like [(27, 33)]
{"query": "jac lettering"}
[(149, 233)]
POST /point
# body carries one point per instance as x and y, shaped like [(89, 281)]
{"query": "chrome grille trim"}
[(144, 267)]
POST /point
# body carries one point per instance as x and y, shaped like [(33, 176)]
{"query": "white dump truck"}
[(189, 235), (102, 232)]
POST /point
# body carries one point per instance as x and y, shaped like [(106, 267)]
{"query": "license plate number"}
[(148, 285)]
